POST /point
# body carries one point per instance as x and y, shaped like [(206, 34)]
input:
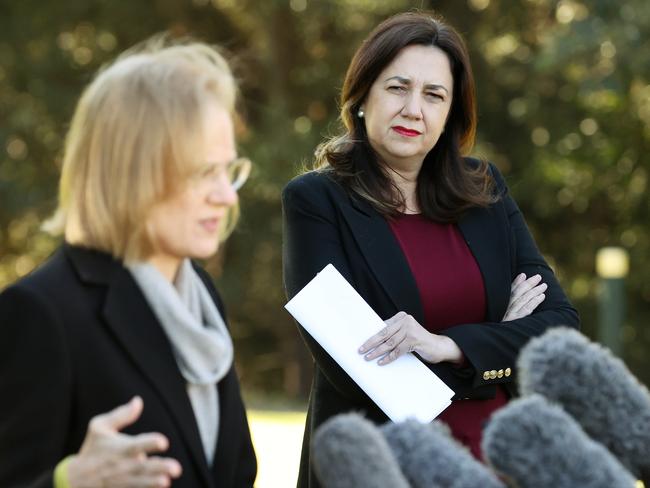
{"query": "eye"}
[(397, 88), (206, 172), (209, 171), (434, 96)]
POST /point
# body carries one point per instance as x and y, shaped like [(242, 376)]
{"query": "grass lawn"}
[(277, 436)]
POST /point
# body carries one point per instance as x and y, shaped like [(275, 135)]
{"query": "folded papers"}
[(340, 320)]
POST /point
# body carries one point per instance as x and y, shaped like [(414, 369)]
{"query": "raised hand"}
[(110, 458)]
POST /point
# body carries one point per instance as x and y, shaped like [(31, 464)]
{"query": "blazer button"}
[(486, 375), (493, 374), (500, 373), (507, 372)]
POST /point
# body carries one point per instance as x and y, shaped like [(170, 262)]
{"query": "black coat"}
[(324, 224), (77, 338)]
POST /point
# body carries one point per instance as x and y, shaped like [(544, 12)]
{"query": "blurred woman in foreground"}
[(120, 315)]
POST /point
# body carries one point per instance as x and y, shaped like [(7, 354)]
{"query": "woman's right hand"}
[(110, 458), (525, 296)]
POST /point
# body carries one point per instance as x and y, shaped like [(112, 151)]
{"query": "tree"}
[(564, 105)]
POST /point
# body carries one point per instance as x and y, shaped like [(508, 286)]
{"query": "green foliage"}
[(564, 104)]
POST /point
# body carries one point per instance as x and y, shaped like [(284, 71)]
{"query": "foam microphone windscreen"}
[(349, 451), (431, 458), (595, 388), (535, 444)]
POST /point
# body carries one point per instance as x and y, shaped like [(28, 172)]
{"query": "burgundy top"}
[(452, 292)]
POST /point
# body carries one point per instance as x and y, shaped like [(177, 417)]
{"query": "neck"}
[(167, 265), (406, 180)]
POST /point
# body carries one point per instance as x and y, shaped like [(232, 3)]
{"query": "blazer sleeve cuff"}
[(476, 366)]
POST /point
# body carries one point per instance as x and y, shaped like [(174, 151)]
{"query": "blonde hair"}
[(131, 142)]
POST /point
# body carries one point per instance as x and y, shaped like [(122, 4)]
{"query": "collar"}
[(92, 266)]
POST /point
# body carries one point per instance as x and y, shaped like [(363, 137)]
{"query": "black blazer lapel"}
[(384, 257), (136, 328), (229, 453), (486, 234)]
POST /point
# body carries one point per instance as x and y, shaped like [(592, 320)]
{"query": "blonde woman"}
[(119, 319)]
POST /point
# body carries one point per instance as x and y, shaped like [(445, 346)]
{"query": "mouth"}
[(210, 225), (406, 132)]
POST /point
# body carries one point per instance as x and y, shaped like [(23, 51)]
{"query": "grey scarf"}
[(200, 340)]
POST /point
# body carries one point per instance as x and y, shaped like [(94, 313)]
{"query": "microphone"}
[(431, 458), (595, 388), (535, 444), (348, 451)]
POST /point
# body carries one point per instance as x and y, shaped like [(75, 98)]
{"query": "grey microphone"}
[(535, 444), (595, 388), (349, 451), (431, 458)]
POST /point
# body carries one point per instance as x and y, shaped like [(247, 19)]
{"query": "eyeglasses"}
[(236, 171)]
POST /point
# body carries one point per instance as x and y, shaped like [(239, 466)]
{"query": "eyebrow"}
[(406, 81)]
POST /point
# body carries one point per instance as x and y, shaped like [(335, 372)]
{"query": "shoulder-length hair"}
[(447, 184), (133, 141)]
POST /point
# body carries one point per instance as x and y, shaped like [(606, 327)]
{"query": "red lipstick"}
[(406, 132)]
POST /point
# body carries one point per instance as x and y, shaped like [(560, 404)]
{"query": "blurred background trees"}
[(564, 111)]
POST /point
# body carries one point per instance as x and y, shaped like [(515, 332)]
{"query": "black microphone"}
[(595, 388), (431, 458), (349, 451), (535, 444)]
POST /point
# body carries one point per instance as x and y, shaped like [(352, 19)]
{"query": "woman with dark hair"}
[(430, 238)]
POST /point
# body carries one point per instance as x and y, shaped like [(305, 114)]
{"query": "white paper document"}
[(340, 320)]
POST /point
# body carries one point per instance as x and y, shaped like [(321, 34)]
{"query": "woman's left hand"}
[(403, 334), (525, 295)]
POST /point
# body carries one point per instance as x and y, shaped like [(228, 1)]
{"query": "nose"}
[(412, 108), (222, 193)]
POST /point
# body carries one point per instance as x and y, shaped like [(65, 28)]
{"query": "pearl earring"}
[(360, 113)]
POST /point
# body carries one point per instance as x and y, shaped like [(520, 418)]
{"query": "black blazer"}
[(325, 224), (77, 338)]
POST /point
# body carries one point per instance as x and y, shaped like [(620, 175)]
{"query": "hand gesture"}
[(109, 458), (403, 334), (525, 296)]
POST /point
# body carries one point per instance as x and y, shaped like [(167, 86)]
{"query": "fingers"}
[(171, 466), (104, 439), (523, 290), (143, 443), (118, 418), (519, 279), (383, 335), (523, 285), (123, 472), (526, 298), (530, 306), (143, 482), (110, 458), (153, 472), (394, 340), (387, 346), (155, 466), (397, 351)]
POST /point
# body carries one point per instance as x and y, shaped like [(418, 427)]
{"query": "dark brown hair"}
[(447, 184)]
